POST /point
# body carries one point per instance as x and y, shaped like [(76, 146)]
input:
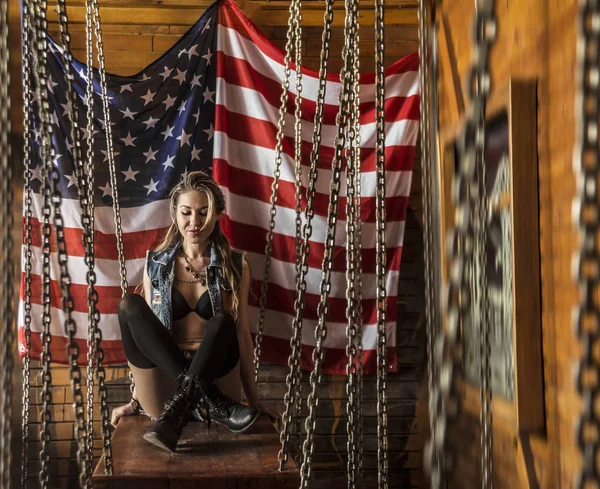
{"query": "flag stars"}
[(181, 75), (150, 155), (193, 51), (127, 113), (184, 138), (128, 140), (196, 154), (105, 153), (72, 179), (197, 115), (151, 186), (168, 132), (167, 73), (208, 95), (196, 81), (51, 85), (130, 174), (182, 52), (106, 190), (66, 108), (169, 162), (126, 88), (149, 97), (169, 101), (151, 122), (210, 131), (208, 56), (36, 173), (182, 107), (206, 27)]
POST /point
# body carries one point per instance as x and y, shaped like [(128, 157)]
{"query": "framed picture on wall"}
[(513, 258)]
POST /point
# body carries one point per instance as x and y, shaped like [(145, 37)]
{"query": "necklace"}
[(198, 276)]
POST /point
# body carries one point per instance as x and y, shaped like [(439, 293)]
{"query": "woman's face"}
[(192, 217)]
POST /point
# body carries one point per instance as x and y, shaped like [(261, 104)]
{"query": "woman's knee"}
[(131, 304)]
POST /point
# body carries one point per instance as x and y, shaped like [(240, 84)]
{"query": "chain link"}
[(323, 307), (427, 184), (293, 380), (382, 421), (28, 130), (586, 212), (46, 154), (7, 272), (101, 373), (353, 249), (289, 48), (465, 252)]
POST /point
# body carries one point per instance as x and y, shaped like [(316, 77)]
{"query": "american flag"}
[(211, 102)]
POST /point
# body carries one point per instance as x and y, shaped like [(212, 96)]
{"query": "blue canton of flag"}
[(162, 120)]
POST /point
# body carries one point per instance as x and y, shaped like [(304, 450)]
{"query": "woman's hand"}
[(130, 409), (270, 411)]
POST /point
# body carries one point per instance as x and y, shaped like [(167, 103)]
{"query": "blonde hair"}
[(199, 181)]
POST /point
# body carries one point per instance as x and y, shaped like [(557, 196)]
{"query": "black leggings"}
[(149, 344)]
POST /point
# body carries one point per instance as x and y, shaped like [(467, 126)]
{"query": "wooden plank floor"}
[(219, 459)]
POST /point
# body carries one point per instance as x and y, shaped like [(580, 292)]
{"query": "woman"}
[(191, 334)]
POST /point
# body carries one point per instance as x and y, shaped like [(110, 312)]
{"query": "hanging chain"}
[(298, 130), (103, 393), (352, 251), (46, 155), (469, 194), (293, 380), (427, 185), (382, 428), (479, 87), (289, 48), (6, 228), (323, 308), (83, 433), (586, 218), (28, 131)]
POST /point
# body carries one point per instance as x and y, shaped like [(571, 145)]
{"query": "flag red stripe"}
[(232, 17), (282, 300), (264, 134), (276, 350), (249, 184), (135, 245), (253, 239), (241, 73)]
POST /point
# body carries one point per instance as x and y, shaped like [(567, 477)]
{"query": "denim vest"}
[(162, 273)]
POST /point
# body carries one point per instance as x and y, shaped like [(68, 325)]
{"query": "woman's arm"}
[(245, 342)]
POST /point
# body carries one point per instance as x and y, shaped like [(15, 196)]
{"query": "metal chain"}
[(479, 87), (323, 308), (86, 199), (83, 432), (103, 393), (463, 246), (382, 421), (293, 379), (352, 251), (46, 155), (298, 130), (289, 47), (586, 217), (110, 153), (28, 130), (426, 182), (6, 228)]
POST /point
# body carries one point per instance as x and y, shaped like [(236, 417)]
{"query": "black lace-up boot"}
[(222, 409), (165, 433)]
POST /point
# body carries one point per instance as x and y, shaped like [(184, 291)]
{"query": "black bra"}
[(181, 308)]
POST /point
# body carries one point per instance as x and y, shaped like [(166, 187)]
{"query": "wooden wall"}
[(536, 39), (137, 32)]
